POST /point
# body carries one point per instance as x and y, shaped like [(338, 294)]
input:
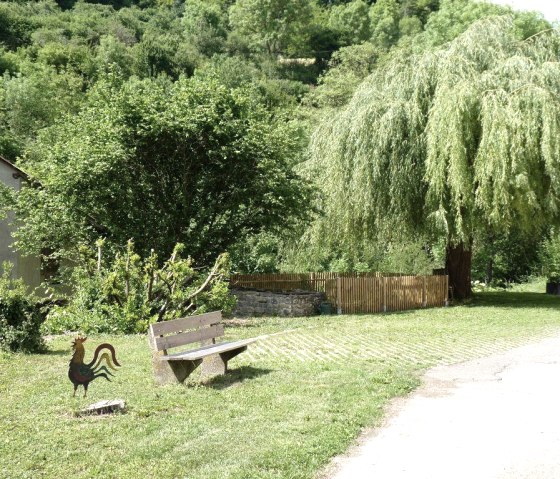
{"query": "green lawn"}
[(290, 403)]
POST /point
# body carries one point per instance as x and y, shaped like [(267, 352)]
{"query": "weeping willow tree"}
[(446, 143)]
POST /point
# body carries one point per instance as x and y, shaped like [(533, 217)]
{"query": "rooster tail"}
[(107, 358), (97, 351), (101, 375)]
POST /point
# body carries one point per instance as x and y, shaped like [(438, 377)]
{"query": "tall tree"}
[(271, 25), (448, 142), (350, 21), (384, 18)]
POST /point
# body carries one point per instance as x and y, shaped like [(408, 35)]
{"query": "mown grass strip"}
[(276, 415)]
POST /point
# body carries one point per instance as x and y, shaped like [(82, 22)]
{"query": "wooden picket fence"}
[(357, 292)]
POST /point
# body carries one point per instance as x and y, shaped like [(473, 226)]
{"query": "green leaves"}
[(271, 25), (20, 318), (160, 162), (124, 293), (449, 141)]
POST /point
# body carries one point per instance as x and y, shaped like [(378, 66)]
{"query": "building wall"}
[(28, 268)]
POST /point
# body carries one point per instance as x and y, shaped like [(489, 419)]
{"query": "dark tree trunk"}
[(489, 271), (458, 264)]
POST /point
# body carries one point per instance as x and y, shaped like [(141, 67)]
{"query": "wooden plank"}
[(402, 293), (367, 294), (410, 292), (374, 298), (207, 350), (353, 287), (339, 295), (357, 297), (384, 287), (378, 297), (353, 292), (363, 295), (181, 339), (183, 324), (350, 283)]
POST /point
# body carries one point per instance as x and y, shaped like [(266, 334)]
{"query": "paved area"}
[(493, 418), (319, 344)]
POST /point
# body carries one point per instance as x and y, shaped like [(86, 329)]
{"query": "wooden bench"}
[(203, 329)]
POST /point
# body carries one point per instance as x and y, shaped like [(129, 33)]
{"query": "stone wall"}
[(268, 303)]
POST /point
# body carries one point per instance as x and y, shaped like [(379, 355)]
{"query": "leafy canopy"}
[(191, 162), (271, 25), (448, 141)]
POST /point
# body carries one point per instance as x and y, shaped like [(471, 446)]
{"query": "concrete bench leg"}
[(217, 363), (213, 366), (172, 372)]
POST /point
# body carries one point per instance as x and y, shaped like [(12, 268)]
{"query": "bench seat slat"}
[(181, 339), (182, 324), (207, 350)]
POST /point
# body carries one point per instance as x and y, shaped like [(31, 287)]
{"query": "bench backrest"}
[(179, 332)]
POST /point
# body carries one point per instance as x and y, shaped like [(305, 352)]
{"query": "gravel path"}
[(491, 418)]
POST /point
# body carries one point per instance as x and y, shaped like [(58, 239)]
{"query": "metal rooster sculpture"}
[(80, 373)]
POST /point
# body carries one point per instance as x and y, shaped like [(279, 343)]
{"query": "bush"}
[(550, 257), (128, 293), (554, 277), (20, 317)]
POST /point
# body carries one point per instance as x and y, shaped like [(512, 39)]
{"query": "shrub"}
[(554, 277), (128, 293), (550, 256), (20, 317)]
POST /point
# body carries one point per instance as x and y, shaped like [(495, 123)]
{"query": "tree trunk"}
[(489, 271), (458, 266)]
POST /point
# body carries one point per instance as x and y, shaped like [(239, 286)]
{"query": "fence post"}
[(446, 299), (338, 295), (384, 294), (424, 293)]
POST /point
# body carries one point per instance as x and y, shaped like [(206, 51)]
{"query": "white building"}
[(28, 268)]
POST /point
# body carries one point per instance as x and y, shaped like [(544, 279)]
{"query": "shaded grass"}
[(271, 417)]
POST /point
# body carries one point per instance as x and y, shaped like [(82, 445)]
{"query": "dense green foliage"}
[(191, 161), (50, 56), (20, 316), (172, 123), (125, 293), (449, 142), (550, 257), (188, 122), (501, 259)]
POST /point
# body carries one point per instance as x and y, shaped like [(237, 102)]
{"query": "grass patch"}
[(276, 415)]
